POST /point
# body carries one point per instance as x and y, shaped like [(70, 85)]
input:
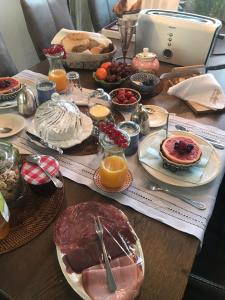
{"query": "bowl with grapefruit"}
[(180, 152)]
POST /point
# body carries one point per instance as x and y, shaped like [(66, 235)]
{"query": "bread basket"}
[(85, 59)]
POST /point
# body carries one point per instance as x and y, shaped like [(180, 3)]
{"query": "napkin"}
[(203, 89), (151, 157)]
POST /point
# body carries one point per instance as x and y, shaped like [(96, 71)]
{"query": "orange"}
[(113, 171), (106, 65), (101, 73)]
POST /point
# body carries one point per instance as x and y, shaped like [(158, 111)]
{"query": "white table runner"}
[(157, 205)]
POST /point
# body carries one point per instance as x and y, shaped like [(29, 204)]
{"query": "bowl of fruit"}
[(124, 98), (112, 74), (144, 82)]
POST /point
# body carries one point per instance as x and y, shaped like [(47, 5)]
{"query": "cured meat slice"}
[(75, 234), (8, 85), (181, 150), (127, 274)]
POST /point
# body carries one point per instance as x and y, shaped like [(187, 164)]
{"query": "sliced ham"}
[(127, 274), (75, 234)]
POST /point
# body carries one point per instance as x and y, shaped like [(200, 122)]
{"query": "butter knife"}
[(43, 142)]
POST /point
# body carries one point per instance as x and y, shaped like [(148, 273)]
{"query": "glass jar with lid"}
[(146, 62), (99, 108), (11, 185), (113, 166)]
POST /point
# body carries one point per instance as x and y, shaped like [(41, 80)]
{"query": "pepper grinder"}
[(26, 102), (141, 117)]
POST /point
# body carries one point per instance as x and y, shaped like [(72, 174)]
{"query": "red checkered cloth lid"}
[(33, 174)]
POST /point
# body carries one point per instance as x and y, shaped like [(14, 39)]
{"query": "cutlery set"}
[(36, 139), (109, 275), (157, 188), (217, 144)]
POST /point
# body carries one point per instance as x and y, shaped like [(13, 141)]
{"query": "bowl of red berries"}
[(112, 74), (124, 98)]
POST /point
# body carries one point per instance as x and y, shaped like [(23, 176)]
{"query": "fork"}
[(109, 275), (157, 188)]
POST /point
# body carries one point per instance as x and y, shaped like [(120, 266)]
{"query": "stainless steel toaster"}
[(177, 37)]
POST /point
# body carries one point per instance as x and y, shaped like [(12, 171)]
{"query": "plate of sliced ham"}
[(80, 255)]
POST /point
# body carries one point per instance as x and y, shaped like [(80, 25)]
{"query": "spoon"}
[(36, 159), (5, 129), (215, 143), (150, 110)]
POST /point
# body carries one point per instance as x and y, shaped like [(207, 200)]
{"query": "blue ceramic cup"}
[(45, 89), (133, 130)]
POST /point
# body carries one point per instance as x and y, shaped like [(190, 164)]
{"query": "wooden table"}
[(33, 272)]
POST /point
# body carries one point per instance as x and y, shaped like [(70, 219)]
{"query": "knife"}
[(44, 143)]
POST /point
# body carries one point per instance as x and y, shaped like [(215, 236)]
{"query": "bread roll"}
[(81, 45), (78, 35), (68, 44), (96, 50)]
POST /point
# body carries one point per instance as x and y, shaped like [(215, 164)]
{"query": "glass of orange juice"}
[(57, 73), (113, 168)]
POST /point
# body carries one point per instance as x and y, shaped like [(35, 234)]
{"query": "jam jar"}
[(146, 62), (11, 185)]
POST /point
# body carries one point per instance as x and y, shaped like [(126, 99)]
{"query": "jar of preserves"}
[(145, 62), (11, 185)]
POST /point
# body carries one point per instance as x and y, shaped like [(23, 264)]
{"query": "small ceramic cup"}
[(133, 130), (45, 89)]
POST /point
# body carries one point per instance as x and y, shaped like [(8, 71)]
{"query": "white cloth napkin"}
[(203, 89)]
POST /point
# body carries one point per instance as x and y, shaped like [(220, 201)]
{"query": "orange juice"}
[(59, 77), (113, 171)]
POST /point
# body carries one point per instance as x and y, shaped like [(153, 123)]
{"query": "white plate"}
[(210, 172), (75, 280), (87, 130), (158, 116), (16, 122), (8, 104)]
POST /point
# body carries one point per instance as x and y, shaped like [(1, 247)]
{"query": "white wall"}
[(15, 34)]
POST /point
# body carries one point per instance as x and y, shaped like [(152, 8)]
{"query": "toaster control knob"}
[(167, 53)]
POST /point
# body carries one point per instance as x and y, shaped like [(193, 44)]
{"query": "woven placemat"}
[(31, 218), (90, 145)]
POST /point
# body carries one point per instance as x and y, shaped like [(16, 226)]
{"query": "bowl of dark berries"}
[(125, 99), (110, 75), (180, 152), (144, 82)]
